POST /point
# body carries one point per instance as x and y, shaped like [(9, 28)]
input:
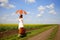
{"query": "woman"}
[(21, 26)]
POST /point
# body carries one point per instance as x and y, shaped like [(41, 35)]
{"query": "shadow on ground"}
[(24, 35)]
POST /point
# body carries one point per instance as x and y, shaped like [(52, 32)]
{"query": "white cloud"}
[(11, 6), (42, 12), (5, 4), (28, 12), (4, 1), (52, 12), (12, 20), (13, 14), (39, 15), (30, 1), (41, 8), (51, 6), (9, 18), (5, 16)]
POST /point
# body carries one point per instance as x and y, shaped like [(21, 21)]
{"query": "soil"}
[(42, 36), (11, 32), (7, 33)]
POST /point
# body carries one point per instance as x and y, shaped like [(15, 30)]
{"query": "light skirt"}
[(20, 25)]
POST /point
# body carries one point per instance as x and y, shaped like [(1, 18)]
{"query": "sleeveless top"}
[(21, 22)]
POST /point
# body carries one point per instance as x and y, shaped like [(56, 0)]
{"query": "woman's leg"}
[(19, 32)]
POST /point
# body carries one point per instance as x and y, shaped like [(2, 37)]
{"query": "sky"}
[(38, 11)]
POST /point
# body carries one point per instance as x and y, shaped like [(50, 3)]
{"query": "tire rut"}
[(42, 36)]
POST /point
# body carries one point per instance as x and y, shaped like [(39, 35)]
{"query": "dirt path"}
[(7, 33), (57, 37), (11, 32), (42, 36)]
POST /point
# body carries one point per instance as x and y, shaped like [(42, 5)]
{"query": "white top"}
[(21, 22)]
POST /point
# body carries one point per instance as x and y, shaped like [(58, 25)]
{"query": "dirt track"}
[(42, 36), (7, 33), (57, 37), (11, 32)]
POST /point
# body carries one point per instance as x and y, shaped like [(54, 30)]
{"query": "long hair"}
[(21, 16)]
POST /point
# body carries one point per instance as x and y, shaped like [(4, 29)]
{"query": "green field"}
[(38, 29)]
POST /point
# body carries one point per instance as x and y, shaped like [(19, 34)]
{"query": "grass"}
[(33, 33), (40, 28), (7, 27), (52, 35), (29, 34)]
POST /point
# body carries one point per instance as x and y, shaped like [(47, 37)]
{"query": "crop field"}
[(10, 31)]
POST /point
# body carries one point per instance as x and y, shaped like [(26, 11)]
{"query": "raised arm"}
[(17, 11), (25, 12)]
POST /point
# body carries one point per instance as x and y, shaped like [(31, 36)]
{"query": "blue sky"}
[(38, 11)]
